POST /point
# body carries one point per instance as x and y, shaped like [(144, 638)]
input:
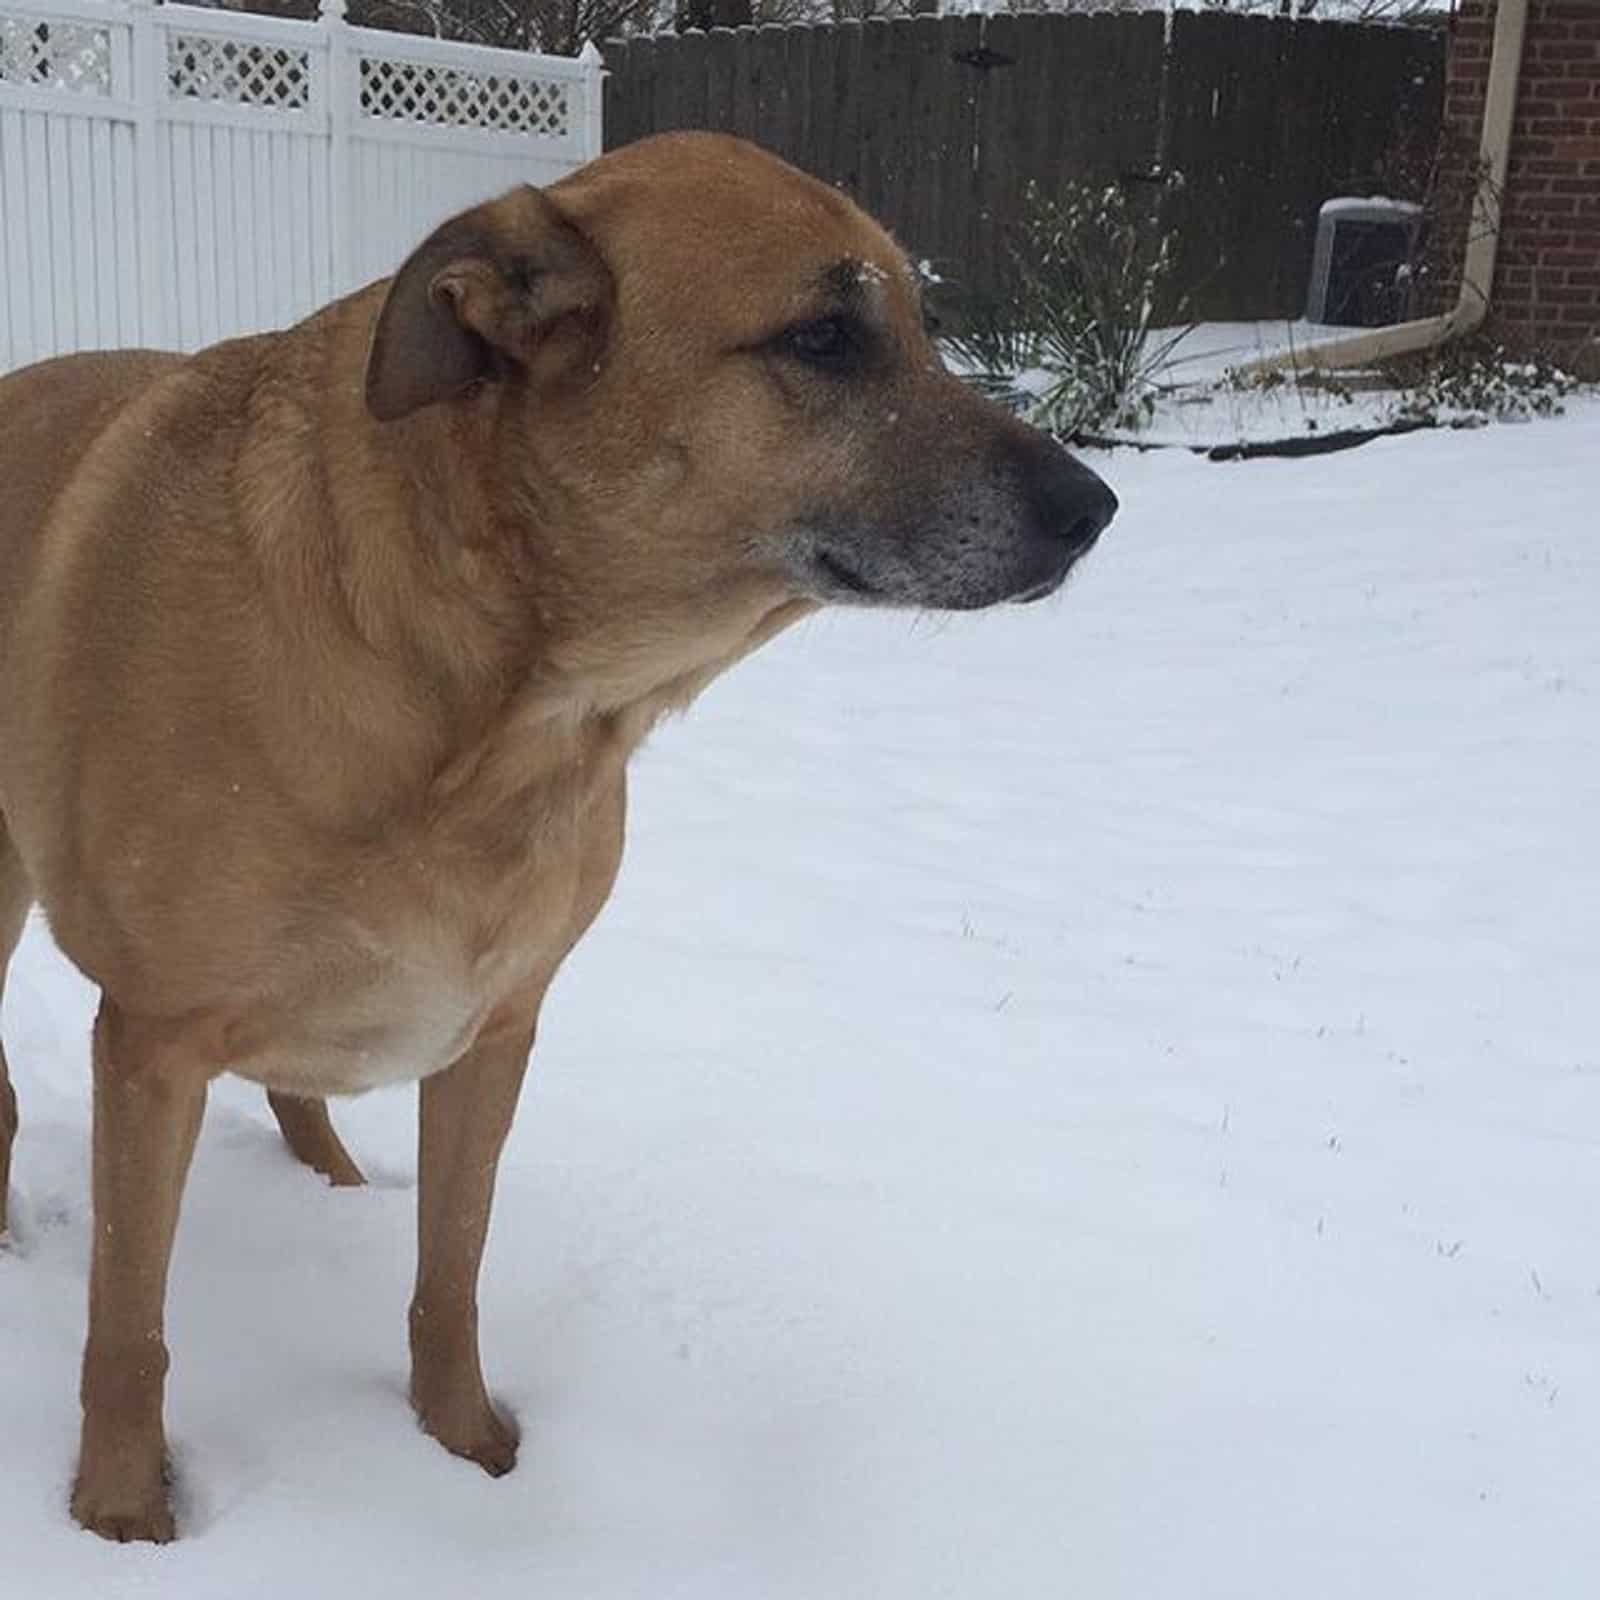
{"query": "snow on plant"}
[(1074, 345), (1470, 385)]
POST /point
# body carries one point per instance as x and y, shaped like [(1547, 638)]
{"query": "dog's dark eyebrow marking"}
[(842, 279)]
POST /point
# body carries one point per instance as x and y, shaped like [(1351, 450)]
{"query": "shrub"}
[(1073, 345), (1468, 385)]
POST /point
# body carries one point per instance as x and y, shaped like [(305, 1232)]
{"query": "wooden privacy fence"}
[(939, 124), (170, 176)]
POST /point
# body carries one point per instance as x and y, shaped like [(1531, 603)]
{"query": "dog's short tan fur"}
[(322, 654)]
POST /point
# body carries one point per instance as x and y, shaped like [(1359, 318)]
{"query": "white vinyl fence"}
[(171, 175)]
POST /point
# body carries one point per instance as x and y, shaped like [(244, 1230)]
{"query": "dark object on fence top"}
[(983, 58)]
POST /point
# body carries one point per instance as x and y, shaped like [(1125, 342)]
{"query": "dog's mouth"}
[(844, 576), (1041, 591), (1043, 588), (841, 580)]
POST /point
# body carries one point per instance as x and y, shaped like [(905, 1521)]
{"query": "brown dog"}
[(322, 654)]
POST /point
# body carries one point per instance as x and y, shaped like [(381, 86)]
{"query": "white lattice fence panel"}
[(46, 53), (171, 175), (443, 96), (238, 72)]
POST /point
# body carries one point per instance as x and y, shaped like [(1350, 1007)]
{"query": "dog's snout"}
[(1071, 504)]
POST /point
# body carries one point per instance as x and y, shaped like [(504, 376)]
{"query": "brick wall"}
[(1547, 275)]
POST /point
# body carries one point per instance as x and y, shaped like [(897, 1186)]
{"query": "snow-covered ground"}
[(1197, 401), (1100, 1100), (1197, 405)]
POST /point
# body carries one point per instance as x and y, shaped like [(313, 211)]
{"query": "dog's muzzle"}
[(1006, 523)]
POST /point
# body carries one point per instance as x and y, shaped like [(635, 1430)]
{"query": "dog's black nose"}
[(1071, 503)]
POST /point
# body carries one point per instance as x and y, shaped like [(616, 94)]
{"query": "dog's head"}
[(711, 373)]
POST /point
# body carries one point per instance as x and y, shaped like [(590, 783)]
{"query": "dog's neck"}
[(463, 673)]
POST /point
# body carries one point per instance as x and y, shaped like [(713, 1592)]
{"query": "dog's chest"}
[(418, 949), (416, 1011)]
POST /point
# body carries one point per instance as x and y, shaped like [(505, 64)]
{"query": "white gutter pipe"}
[(1483, 234)]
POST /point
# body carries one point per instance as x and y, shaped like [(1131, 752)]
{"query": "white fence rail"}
[(171, 175)]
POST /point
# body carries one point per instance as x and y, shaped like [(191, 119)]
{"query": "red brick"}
[(1587, 280)]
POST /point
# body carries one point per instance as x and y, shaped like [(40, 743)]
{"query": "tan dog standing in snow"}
[(322, 655)]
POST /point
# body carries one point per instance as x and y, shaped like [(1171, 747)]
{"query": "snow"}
[(1199, 402), (1371, 207), (1100, 1099), (1205, 352), (1196, 402)]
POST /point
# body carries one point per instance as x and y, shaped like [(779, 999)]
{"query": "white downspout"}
[(1483, 234)]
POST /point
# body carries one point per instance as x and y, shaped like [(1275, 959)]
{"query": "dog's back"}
[(50, 414)]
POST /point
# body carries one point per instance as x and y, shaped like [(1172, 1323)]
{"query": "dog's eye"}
[(830, 344)]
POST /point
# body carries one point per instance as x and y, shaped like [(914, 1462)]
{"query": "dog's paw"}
[(125, 1513), (480, 1434)]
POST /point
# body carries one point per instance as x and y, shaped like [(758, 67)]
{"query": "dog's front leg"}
[(465, 1115), (150, 1083)]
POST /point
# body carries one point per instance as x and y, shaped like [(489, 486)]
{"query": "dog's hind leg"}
[(308, 1131), (15, 897)]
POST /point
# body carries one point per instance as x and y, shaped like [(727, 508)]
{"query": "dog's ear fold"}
[(480, 297)]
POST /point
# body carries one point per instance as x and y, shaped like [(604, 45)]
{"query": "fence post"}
[(344, 94), (150, 204), (594, 87)]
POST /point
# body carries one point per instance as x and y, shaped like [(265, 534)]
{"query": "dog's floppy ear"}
[(480, 295)]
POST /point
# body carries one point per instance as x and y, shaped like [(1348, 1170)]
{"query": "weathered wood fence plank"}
[(940, 125)]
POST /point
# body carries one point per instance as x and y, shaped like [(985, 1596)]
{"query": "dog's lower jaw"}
[(838, 564), (835, 579)]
